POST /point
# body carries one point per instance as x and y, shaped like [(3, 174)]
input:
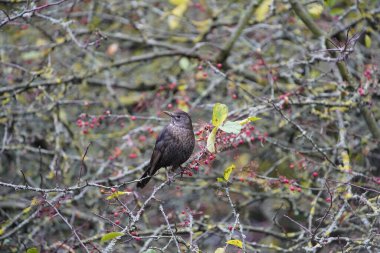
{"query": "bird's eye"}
[(178, 117)]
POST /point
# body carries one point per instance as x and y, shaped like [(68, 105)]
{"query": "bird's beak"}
[(169, 113)]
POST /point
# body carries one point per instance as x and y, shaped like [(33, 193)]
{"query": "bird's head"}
[(180, 119)]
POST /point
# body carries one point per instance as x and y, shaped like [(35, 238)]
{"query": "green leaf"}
[(150, 251), (231, 127), (336, 11), (117, 194), (32, 250), (219, 114), (184, 63), (228, 171), (249, 119), (211, 140), (330, 3), (236, 243), (110, 236), (367, 41)]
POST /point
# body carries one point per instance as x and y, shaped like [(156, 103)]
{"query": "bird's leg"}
[(182, 170), (169, 179)]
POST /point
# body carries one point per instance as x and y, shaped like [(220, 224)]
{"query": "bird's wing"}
[(156, 156), (159, 149)]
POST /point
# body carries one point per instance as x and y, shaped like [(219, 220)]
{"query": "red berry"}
[(206, 162), (230, 228), (172, 86), (200, 67), (190, 174), (170, 106), (292, 188), (328, 199), (142, 138), (133, 155), (234, 96), (219, 65), (205, 75), (133, 117), (79, 123), (361, 91), (315, 174), (291, 166), (115, 214), (113, 189), (117, 222)]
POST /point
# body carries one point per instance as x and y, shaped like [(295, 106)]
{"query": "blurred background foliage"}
[(83, 87)]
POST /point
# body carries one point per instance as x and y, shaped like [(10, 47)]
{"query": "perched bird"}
[(174, 145)]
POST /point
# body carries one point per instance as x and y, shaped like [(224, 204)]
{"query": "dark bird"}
[(174, 145)]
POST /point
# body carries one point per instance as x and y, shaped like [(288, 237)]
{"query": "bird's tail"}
[(145, 178)]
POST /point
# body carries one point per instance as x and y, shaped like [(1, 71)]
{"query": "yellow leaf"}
[(211, 140), (27, 210), (367, 41), (117, 194), (51, 175), (315, 10), (203, 25), (110, 236), (337, 108), (249, 119), (219, 114), (262, 11), (182, 87), (178, 2), (219, 250), (60, 40), (179, 10), (347, 195), (6, 101), (41, 42), (236, 243), (176, 14), (228, 171), (183, 105), (32, 250), (34, 202), (346, 162)]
